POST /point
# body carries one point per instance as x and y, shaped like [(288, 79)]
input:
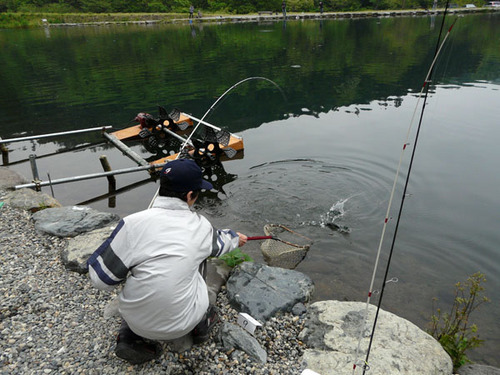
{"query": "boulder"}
[(81, 247), (262, 291), (332, 332), (235, 337), (9, 179), (71, 221), (30, 200)]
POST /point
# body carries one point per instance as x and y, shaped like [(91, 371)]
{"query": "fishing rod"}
[(425, 88), (219, 99), (201, 121)]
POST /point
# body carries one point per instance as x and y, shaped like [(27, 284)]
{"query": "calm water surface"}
[(321, 149)]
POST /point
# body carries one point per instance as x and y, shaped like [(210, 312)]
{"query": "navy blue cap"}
[(184, 175)]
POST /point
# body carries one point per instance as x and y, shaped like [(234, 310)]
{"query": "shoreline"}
[(277, 16), (54, 321), (158, 18)]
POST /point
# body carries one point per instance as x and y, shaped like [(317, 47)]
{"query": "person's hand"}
[(243, 239)]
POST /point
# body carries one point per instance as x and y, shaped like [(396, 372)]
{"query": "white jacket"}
[(164, 296)]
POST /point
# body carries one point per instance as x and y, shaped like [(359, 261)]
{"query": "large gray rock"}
[(9, 179), (234, 337), (478, 370), (81, 247), (71, 221), (399, 347), (262, 291), (30, 200)]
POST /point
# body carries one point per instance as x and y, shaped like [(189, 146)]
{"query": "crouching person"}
[(159, 253)]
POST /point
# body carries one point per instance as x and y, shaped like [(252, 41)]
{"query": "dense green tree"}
[(231, 6)]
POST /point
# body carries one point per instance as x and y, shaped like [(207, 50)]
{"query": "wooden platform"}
[(235, 143), (133, 131)]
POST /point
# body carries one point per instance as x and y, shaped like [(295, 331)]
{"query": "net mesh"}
[(287, 249)]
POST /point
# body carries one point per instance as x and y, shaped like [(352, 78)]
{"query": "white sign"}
[(248, 323), (308, 372)]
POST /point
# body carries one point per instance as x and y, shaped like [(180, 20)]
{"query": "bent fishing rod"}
[(220, 98), (424, 90)]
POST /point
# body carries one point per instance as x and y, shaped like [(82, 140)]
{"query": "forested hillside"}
[(222, 6)]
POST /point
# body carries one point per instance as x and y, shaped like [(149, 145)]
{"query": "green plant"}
[(235, 257), (453, 330)]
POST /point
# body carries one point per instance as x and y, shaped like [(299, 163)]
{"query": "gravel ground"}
[(51, 319)]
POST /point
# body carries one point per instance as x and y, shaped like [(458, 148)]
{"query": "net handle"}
[(261, 238), (273, 238)]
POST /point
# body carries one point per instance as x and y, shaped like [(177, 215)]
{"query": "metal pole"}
[(201, 121), (50, 183), (175, 135), (54, 134), (34, 171), (127, 151), (208, 124), (90, 176), (81, 147)]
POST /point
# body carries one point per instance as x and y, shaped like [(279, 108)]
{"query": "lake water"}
[(322, 148)]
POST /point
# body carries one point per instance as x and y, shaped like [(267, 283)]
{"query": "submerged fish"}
[(338, 228)]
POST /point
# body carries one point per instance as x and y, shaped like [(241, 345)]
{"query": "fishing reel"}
[(160, 145), (202, 153), (160, 137), (155, 139), (207, 152), (154, 126)]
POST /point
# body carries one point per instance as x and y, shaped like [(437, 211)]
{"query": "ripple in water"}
[(300, 192)]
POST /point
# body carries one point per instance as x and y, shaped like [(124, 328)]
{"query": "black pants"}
[(126, 334)]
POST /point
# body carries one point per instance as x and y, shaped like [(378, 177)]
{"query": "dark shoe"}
[(201, 332), (136, 351)]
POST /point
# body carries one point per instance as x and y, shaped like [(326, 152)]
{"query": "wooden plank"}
[(133, 131), (127, 133), (235, 143)]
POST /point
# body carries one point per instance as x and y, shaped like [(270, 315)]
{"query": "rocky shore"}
[(52, 321)]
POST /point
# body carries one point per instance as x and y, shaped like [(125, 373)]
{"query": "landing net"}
[(287, 249)]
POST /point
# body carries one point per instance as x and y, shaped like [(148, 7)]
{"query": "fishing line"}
[(209, 110), (448, 51), (219, 99), (425, 88)]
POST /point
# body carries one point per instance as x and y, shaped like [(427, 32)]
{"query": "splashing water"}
[(327, 220), (336, 211)]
